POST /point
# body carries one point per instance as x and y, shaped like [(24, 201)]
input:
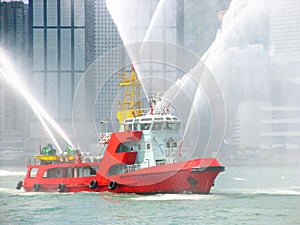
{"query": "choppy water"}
[(240, 196)]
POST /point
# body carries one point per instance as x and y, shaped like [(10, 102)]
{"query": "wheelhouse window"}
[(172, 126), (145, 126), (157, 126), (33, 172), (127, 126), (123, 148), (135, 126)]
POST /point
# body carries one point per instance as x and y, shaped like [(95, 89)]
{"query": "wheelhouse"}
[(151, 123)]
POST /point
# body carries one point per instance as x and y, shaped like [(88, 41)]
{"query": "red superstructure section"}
[(66, 177), (112, 157)]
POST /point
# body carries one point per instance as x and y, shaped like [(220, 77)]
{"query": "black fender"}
[(93, 184), (19, 185), (36, 187), (61, 187), (112, 185)]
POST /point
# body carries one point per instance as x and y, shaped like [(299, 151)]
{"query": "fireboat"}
[(144, 157)]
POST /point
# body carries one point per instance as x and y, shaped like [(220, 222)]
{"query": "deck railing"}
[(177, 154), (130, 168), (104, 137)]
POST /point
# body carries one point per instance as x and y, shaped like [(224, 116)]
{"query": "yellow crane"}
[(130, 106)]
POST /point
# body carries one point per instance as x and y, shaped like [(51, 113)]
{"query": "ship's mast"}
[(130, 106)]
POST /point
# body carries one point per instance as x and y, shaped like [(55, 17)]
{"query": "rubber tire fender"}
[(93, 184), (112, 185), (61, 187), (36, 187), (19, 185)]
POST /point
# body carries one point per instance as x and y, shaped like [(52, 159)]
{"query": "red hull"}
[(192, 176), (182, 177), (171, 178)]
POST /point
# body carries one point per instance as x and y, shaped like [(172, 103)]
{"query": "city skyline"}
[(69, 38)]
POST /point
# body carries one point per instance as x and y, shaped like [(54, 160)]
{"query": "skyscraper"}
[(202, 19), (62, 49), (14, 30), (58, 45), (285, 75), (14, 39), (285, 51), (109, 55)]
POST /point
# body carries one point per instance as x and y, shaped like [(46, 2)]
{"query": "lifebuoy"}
[(19, 185), (61, 187), (112, 185), (93, 184), (36, 187)]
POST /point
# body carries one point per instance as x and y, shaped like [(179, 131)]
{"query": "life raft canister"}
[(112, 185), (93, 184), (61, 187), (36, 187), (19, 185)]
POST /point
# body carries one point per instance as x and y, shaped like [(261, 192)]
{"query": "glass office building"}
[(13, 114), (109, 55), (58, 49), (14, 40)]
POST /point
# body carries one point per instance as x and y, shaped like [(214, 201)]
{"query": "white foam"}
[(36, 193), (277, 192), (7, 190), (172, 197), (239, 178), (268, 191), (5, 173)]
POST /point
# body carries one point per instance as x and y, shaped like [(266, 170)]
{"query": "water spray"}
[(10, 76)]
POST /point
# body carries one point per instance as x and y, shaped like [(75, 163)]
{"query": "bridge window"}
[(157, 126), (171, 126), (123, 148), (127, 126), (145, 126), (135, 126)]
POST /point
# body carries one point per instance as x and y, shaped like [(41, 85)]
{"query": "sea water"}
[(241, 195)]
